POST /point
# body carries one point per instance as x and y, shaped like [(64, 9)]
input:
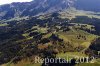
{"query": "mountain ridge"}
[(36, 7)]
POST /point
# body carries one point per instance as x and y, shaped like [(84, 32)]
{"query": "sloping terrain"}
[(38, 7), (50, 29), (46, 37)]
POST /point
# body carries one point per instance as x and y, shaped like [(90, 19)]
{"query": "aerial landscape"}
[(50, 33)]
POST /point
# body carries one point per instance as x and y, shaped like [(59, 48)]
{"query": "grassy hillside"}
[(21, 40)]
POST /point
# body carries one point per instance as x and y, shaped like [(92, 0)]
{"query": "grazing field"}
[(78, 37)]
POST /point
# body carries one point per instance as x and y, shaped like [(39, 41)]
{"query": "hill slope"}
[(36, 7)]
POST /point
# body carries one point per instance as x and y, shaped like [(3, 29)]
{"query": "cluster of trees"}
[(81, 36), (91, 21), (13, 45)]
